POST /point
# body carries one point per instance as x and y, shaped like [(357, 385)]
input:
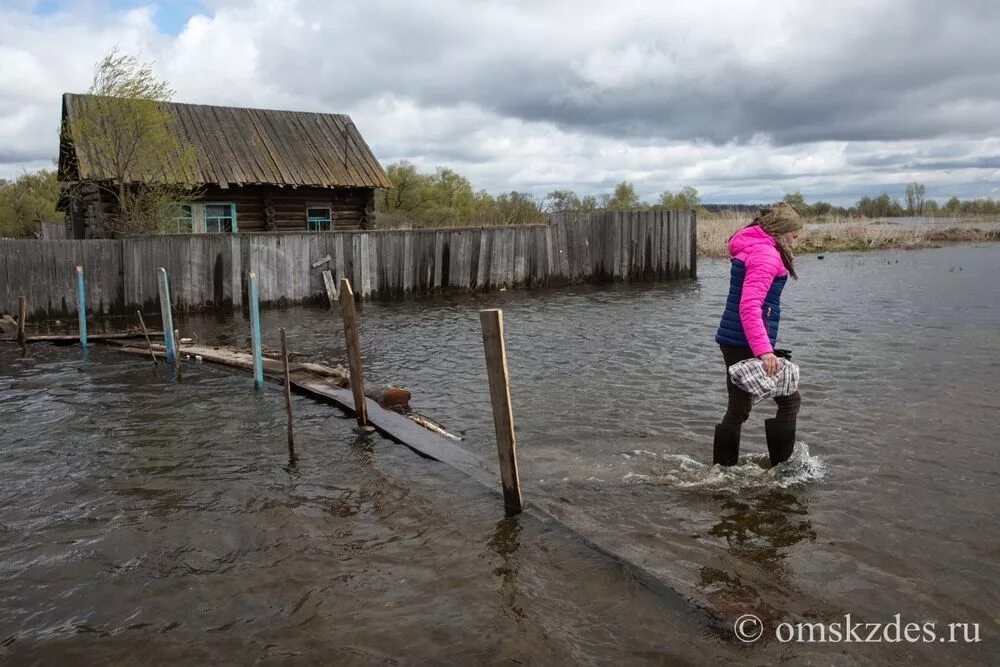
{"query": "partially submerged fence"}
[(210, 270)]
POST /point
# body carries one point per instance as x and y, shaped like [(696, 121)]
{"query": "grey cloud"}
[(895, 71)]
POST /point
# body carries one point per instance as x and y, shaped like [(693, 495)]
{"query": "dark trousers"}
[(740, 402)]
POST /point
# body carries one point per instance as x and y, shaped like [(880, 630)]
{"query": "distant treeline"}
[(446, 198), (883, 206)]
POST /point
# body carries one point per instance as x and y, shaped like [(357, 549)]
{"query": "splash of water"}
[(750, 473)]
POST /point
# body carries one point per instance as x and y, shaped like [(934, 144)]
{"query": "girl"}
[(762, 260)]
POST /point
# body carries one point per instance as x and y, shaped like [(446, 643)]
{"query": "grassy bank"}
[(713, 234)]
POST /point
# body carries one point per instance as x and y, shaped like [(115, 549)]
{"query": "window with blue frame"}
[(318, 219), (220, 218)]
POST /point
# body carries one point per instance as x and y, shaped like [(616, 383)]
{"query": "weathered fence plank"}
[(208, 270)]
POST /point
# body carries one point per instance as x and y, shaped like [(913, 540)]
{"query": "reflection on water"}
[(761, 530), (505, 544)]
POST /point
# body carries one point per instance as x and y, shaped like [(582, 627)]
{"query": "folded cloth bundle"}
[(749, 375)]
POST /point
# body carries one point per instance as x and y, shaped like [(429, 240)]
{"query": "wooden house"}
[(256, 170)]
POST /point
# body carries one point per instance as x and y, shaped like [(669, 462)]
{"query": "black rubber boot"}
[(780, 440), (726, 447)]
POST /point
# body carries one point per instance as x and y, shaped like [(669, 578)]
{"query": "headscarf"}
[(778, 219)]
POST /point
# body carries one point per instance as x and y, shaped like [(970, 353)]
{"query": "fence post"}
[(83, 306), (177, 354), (22, 320), (166, 314), (288, 393), (258, 361), (694, 244), (350, 317), (503, 415)]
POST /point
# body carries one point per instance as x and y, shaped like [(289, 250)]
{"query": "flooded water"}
[(141, 513)]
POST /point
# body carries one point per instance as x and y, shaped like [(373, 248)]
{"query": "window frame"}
[(177, 220), (206, 217), (311, 219)]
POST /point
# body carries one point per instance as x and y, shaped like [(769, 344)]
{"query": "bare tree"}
[(125, 137), (915, 193)]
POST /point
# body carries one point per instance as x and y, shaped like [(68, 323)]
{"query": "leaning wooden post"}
[(166, 313), (145, 332), (288, 392), (83, 306), (331, 288), (177, 354), (503, 415), (22, 320), (258, 361), (350, 317)]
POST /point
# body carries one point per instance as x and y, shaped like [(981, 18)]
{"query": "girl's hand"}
[(771, 364)]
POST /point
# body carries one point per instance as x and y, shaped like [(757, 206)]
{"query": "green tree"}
[(866, 207), (588, 204), (686, 198), (127, 139), (514, 208), (821, 208), (561, 200), (798, 202), (25, 201), (624, 198), (953, 206), (409, 189)]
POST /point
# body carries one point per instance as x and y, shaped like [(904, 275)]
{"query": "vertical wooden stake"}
[(145, 333), (166, 313), (22, 320), (503, 415), (83, 306), (694, 245), (350, 317), (177, 354), (288, 393), (258, 361)]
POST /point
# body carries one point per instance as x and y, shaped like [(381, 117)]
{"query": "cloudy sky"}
[(743, 100)]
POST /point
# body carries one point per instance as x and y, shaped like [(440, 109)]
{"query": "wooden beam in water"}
[(350, 317), (288, 393), (258, 367), (68, 338), (166, 314), (503, 415), (82, 302), (177, 355), (145, 333), (331, 288), (22, 319)]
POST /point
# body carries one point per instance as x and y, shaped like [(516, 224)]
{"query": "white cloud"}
[(742, 100)]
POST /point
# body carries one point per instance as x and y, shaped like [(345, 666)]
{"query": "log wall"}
[(209, 270)]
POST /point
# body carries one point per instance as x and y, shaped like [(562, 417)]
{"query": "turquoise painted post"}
[(258, 362), (83, 306), (166, 314)]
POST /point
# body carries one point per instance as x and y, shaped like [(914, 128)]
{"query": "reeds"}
[(714, 233)]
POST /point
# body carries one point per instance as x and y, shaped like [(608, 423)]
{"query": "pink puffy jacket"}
[(759, 252)]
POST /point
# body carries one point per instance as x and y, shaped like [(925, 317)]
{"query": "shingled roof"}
[(238, 146)]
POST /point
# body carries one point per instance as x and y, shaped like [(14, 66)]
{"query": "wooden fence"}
[(210, 270)]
